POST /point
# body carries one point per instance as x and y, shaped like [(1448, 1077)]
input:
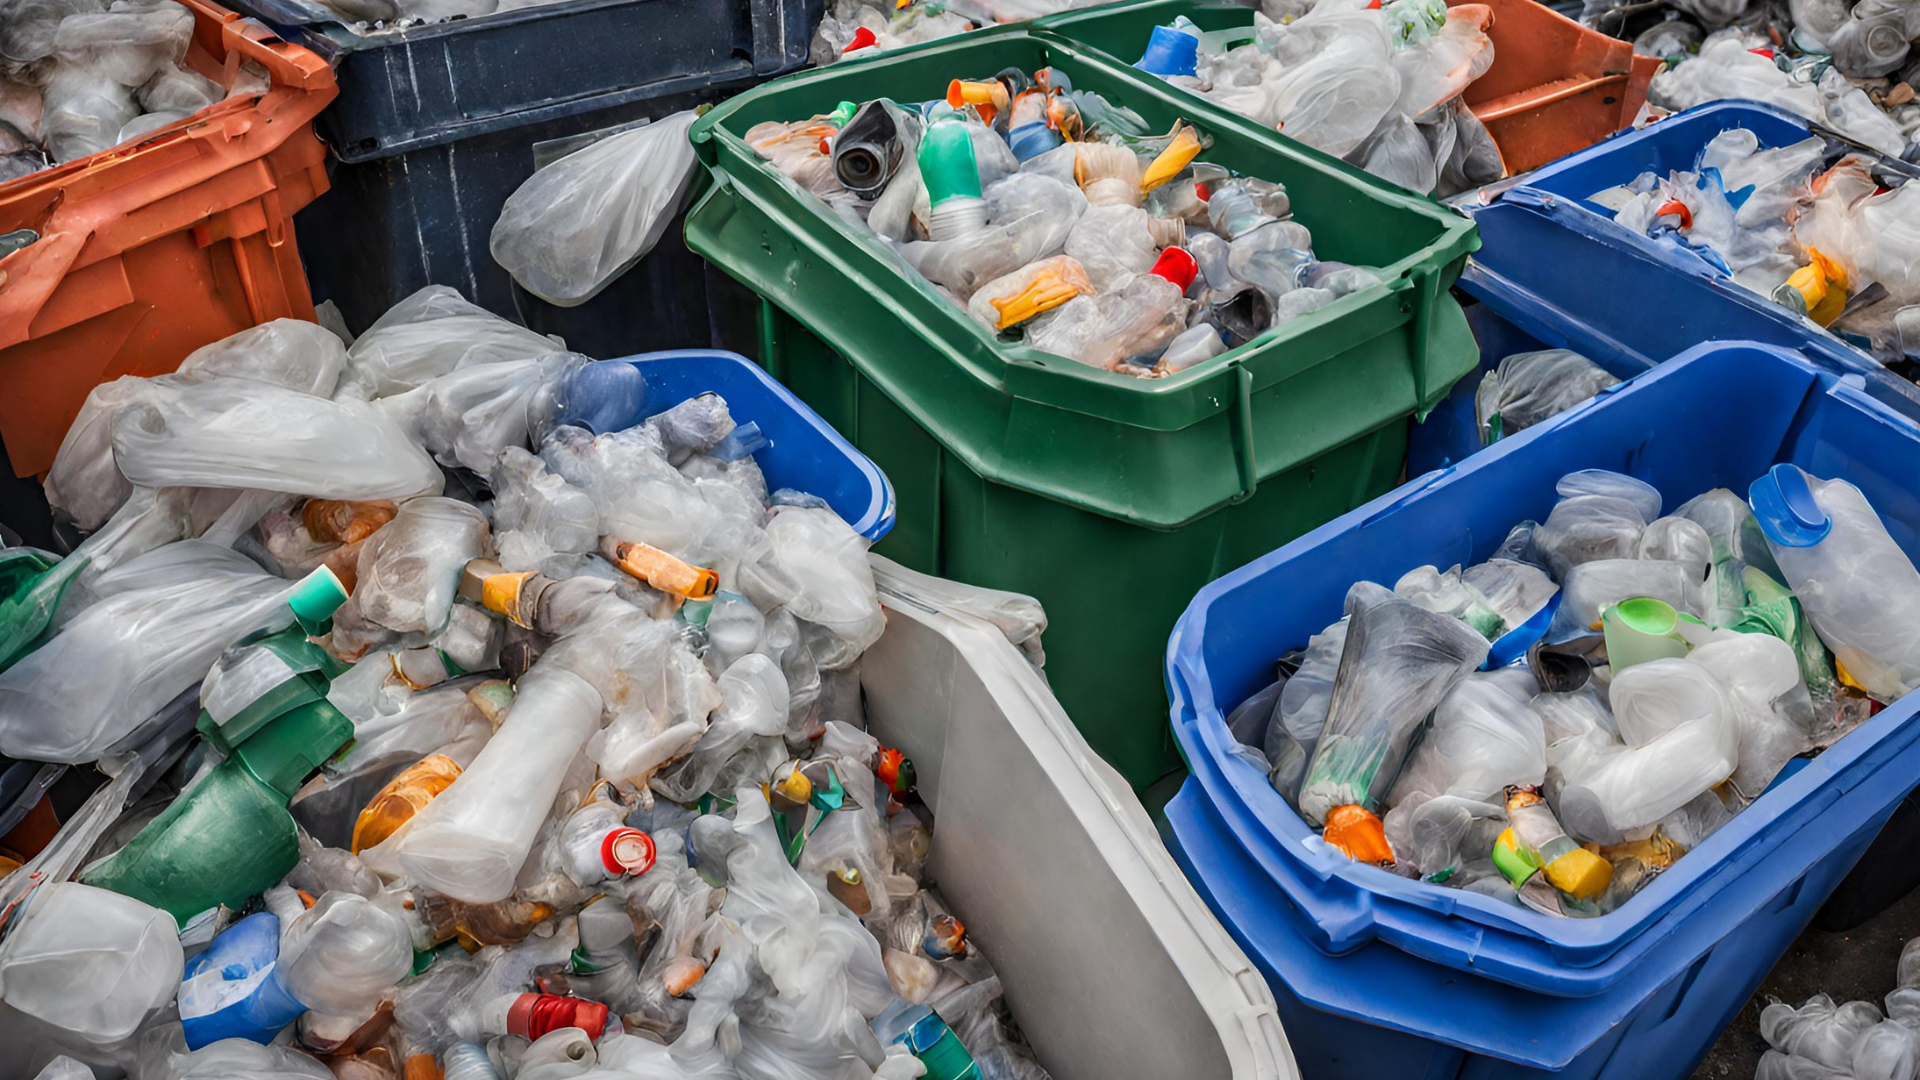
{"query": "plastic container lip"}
[(1784, 505), (1396, 276), (1565, 957)]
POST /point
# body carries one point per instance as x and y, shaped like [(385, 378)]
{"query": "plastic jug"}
[(1859, 589)]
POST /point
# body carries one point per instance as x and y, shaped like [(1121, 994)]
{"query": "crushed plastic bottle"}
[(1672, 686), (569, 780)]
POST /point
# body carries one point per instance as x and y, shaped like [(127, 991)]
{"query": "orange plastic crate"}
[(154, 248)]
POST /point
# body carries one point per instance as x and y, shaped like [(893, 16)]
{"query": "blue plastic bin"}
[(1377, 975), (805, 454), (437, 125)]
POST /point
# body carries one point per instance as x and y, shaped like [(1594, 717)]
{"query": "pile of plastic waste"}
[(455, 720), (81, 76), (1820, 1040), (1847, 64), (1831, 233), (1559, 724), (1378, 85), (852, 28), (1057, 218)]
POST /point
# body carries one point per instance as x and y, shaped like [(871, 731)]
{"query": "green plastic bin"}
[(1110, 498)]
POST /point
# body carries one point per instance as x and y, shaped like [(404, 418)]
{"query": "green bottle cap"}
[(316, 598), (842, 113), (947, 164)]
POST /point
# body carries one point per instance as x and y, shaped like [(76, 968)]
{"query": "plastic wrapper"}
[(1115, 242), (1445, 838), (1482, 740), (1526, 388), (828, 561), (343, 954), (1771, 704), (238, 433), (753, 704), (409, 570), (428, 334), (1398, 663), (1588, 528), (159, 622), (657, 694), (537, 515), (579, 223)]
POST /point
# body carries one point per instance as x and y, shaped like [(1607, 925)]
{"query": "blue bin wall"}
[(1356, 941)]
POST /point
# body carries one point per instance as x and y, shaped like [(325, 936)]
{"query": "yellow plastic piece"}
[(1177, 156), (1580, 874), (1823, 284), (500, 593), (987, 98), (1054, 282), (403, 797)]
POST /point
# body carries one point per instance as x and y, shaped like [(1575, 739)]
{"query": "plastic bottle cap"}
[(627, 851), (1169, 52), (1784, 505), (316, 598), (1580, 874), (1177, 266)]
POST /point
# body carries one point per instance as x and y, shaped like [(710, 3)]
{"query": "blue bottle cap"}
[(1031, 140), (1783, 504), (1170, 52)]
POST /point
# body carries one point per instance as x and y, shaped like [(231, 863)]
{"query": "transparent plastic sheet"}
[(1482, 740), (162, 620), (90, 962), (1398, 663), (468, 416), (576, 225), (1302, 716)]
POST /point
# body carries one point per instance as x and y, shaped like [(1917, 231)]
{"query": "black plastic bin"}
[(437, 125)]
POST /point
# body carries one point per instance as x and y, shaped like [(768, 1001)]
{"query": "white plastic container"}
[(1111, 962)]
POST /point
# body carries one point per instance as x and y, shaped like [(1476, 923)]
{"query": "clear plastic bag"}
[(468, 416), (430, 333), (1302, 715), (90, 962), (238, 433), (1818, 1030), (1590, 587), (410, 569), (343, 954), (828, 561), (1526, 388), (1481, 741), (1398, 663), (578, 224)]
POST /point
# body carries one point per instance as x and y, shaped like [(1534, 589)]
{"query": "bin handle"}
[(1240, 422)]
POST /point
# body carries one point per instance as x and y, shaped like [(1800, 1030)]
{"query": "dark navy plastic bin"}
[(437, 125), (805, 453), (1377, 975)]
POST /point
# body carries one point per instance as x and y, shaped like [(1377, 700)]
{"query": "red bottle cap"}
[(534, 1015), (1176, 266), (627, 851), (862, 38)]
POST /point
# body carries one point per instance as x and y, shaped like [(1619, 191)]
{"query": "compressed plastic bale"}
[(1526, 388), (471, 840), (161, 620), (90, 962), (1482, 740), (238, 433), (430, 333), (581, 222), (1399, 662)]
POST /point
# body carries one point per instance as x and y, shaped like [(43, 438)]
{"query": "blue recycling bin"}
[(1377, 975)]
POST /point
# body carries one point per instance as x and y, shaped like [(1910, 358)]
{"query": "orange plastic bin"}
[(1555, 86), (144, 252)]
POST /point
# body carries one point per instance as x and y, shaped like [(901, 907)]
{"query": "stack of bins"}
[(1555, 86), (140, 254), (1378, 975), (438, 124), (1109, 498)]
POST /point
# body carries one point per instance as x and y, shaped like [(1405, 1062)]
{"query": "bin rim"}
[(1058, 382), (1499, 941)]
